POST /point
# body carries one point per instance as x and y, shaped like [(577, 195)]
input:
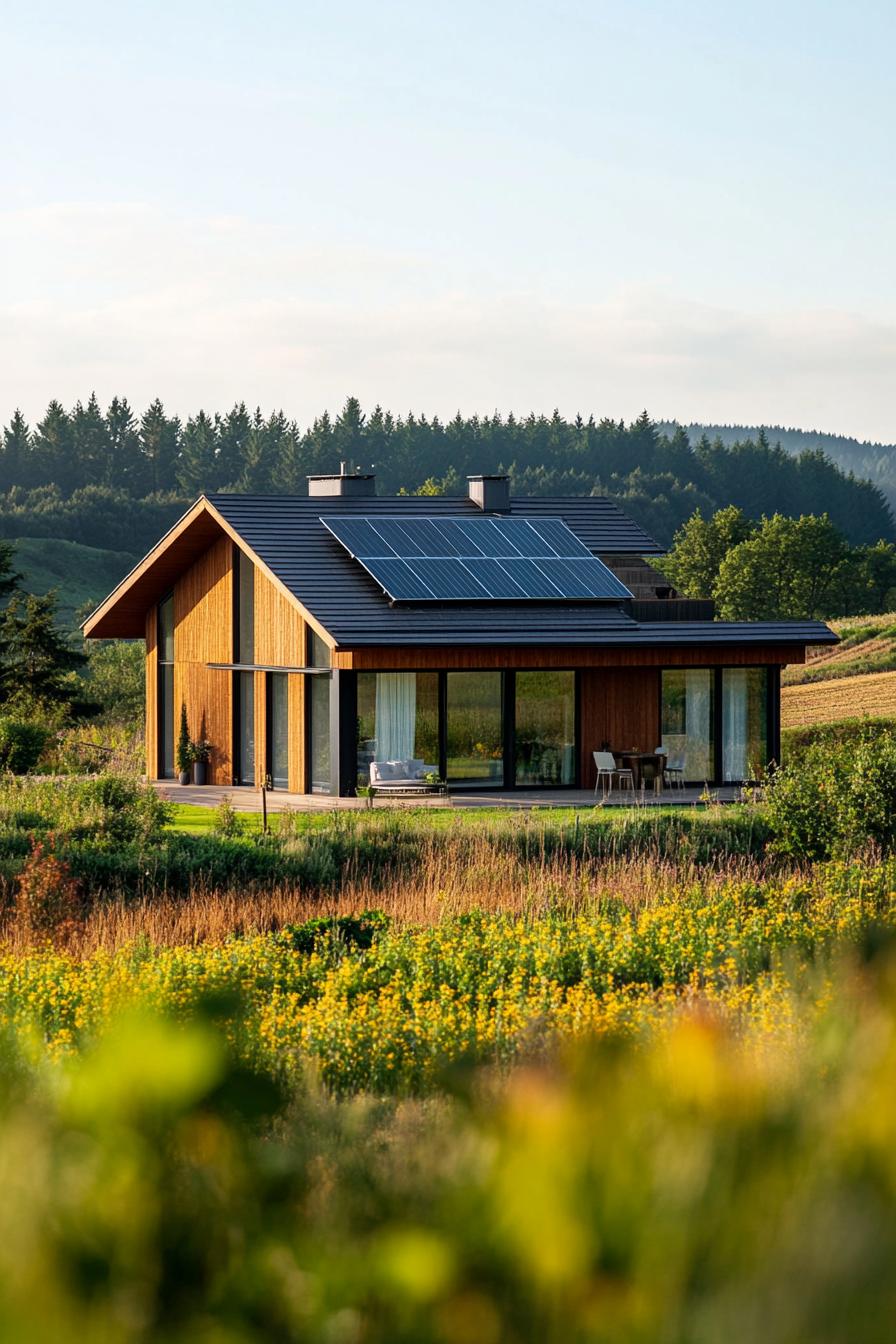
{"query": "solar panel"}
[(476, 559)]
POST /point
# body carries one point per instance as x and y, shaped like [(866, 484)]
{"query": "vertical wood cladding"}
[(620, 706), (152, 696), (279, 641), (203, 633)]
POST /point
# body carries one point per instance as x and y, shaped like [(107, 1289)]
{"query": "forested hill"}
[(874, 461), (116, 480)]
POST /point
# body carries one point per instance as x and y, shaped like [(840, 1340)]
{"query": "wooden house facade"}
[(303, 660)]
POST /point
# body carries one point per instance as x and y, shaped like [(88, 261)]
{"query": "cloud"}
[(128, 299)]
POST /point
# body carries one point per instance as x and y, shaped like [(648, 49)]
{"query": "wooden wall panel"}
[(279, 628), (203, 608), (152, 692), (203, 633), (510, 656), (620, 706)]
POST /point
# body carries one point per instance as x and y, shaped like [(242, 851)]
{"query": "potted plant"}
[(202, 751), (184, 752)]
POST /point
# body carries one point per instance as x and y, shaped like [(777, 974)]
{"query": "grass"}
[(872, 694), (81, 575)]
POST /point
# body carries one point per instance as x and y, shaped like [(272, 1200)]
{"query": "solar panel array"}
[(476, 559)]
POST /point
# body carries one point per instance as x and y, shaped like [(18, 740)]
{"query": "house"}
[(499, 640)]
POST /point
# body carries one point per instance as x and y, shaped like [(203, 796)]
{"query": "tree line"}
[(780, 568), (116, 479)]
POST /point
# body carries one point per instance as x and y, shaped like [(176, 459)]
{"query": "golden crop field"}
[(842, 698)]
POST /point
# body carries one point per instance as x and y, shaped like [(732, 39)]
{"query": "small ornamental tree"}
[(184, 752)]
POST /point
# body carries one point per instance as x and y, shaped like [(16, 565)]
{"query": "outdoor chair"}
[(607, 769), (673, 769)]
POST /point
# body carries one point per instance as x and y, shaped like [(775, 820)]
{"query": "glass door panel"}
[(318, 688), (744, 723), (278, 729), (687, 722), (545, 728), (245, 701), (474, 729)]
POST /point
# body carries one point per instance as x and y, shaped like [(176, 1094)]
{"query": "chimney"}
[(490, 493), (347, 485)]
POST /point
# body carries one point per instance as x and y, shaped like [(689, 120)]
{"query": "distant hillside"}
[(872, 461), (81, 575), (854, 679)]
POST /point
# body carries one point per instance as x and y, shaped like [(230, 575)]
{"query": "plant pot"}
[(183, 777), (200, 772)]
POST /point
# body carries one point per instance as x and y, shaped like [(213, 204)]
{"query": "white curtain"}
[(396, 713), (697, 726), (735, 719)]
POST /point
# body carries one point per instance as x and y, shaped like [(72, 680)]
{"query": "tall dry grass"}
[(439, 888)]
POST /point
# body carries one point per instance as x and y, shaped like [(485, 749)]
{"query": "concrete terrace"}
[(278, 800)]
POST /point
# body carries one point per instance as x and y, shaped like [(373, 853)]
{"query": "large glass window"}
[(278, 729), (318, 691), (744, 723), (398, 719), (165, 687), (687, 721), (474, 729), (245, 709), (245, 633), (545, 728)]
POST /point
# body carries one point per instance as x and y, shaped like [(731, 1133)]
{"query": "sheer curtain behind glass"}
[(744, 723), (396, 713)]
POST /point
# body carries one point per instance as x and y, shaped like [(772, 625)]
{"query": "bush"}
[(21, 745), (838, 799)]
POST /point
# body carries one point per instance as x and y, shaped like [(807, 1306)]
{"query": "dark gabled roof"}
[(286, 534)]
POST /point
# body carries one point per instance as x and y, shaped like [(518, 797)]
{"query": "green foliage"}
[(785, 570), (99, 813), (699, 547), (355, 931), (837, 798), (781, 568), (37, 660), (116, 680), (184, 750), (22, 742), (82, 475), (226, 822)]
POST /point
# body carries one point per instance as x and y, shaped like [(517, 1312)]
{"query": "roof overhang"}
[(123, 613)]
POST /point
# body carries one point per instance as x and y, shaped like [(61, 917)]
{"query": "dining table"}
[(636, 761)]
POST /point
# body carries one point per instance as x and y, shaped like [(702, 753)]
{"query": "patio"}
[(245, 799)]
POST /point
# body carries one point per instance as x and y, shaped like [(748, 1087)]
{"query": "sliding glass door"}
[(278, 729), (716, 722), (244, 689), (474, 729), (688, 722), (744, 723), (545, 728), (398, 720)]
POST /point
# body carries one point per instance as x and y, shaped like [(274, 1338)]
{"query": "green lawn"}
[(195, 820)]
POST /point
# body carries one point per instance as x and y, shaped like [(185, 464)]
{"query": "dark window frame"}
[(161, 698)]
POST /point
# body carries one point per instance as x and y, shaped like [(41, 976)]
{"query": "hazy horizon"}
[(595, 206)]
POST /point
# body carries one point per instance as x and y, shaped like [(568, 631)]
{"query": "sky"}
[(598, 206)]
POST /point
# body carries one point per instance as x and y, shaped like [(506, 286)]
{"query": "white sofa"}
[(400, 774)]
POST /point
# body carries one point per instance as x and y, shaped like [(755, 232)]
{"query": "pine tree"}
[(37, 658), (159, 440), (91, 444), (233, 433), (9, 578), (125, 459), (196, 465), (15, 454), (348, 434), (53, 456)]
